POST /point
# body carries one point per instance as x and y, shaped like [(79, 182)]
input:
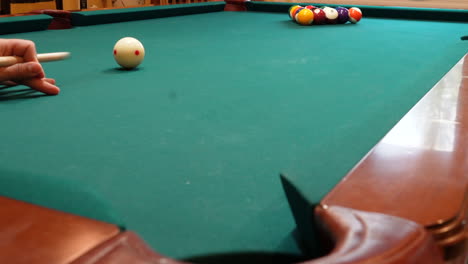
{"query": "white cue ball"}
[(129, 52)]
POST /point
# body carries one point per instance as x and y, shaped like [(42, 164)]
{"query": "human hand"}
[(30, 72)]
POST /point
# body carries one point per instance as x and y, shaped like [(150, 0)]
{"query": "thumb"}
[(21, 71)]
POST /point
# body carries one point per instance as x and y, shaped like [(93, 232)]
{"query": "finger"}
[(21, 71), (50, 80), (18, 47), (9, 83), (25, 49), (42, 85)]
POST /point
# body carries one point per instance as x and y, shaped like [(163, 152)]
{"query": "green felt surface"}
[(188, 148), (17, 24), (64, 194)]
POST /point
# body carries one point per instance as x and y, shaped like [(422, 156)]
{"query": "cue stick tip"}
[(54, 56)]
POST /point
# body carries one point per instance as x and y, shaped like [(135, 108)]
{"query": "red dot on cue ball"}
[(137, 52), (115, 52)]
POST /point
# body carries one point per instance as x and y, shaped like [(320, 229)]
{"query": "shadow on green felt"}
[(289, 23), (259, 257), (247, 258), (59, 194), (307, 235), (10, 93), (120, 70)]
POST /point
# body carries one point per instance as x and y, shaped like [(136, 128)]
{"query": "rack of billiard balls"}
[(308, 15)]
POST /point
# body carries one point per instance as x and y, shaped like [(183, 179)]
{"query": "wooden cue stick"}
[(6, 61)]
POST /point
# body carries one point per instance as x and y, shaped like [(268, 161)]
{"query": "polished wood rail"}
[(32, 234), (54, 237), (419, 170), (446, 4)]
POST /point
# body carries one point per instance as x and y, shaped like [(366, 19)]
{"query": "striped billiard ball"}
[(292, 11), (331, 15), (355, 15), (319, 16)]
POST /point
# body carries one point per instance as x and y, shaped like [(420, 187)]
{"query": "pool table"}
[(243, 137)]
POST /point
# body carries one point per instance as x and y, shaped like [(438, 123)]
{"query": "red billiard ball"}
[(355, 15), (319, 16), (310, 7)]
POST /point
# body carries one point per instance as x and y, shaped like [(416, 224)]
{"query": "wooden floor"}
[(450, 4)]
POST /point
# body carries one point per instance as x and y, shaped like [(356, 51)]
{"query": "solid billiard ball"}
[(129, 52), (292, 11), (355, 15), (319, 16), (343, 15), (305, 17), (331, 15)]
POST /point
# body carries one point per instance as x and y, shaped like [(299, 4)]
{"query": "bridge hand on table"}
[(21, 66)]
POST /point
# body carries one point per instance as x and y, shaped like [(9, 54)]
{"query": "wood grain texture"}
[(126, 248), (32, 234), (447, 4), (361, 238), (419, 171), (20, 8)]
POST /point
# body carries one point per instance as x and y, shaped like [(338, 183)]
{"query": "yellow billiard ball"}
[(305, 17)]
